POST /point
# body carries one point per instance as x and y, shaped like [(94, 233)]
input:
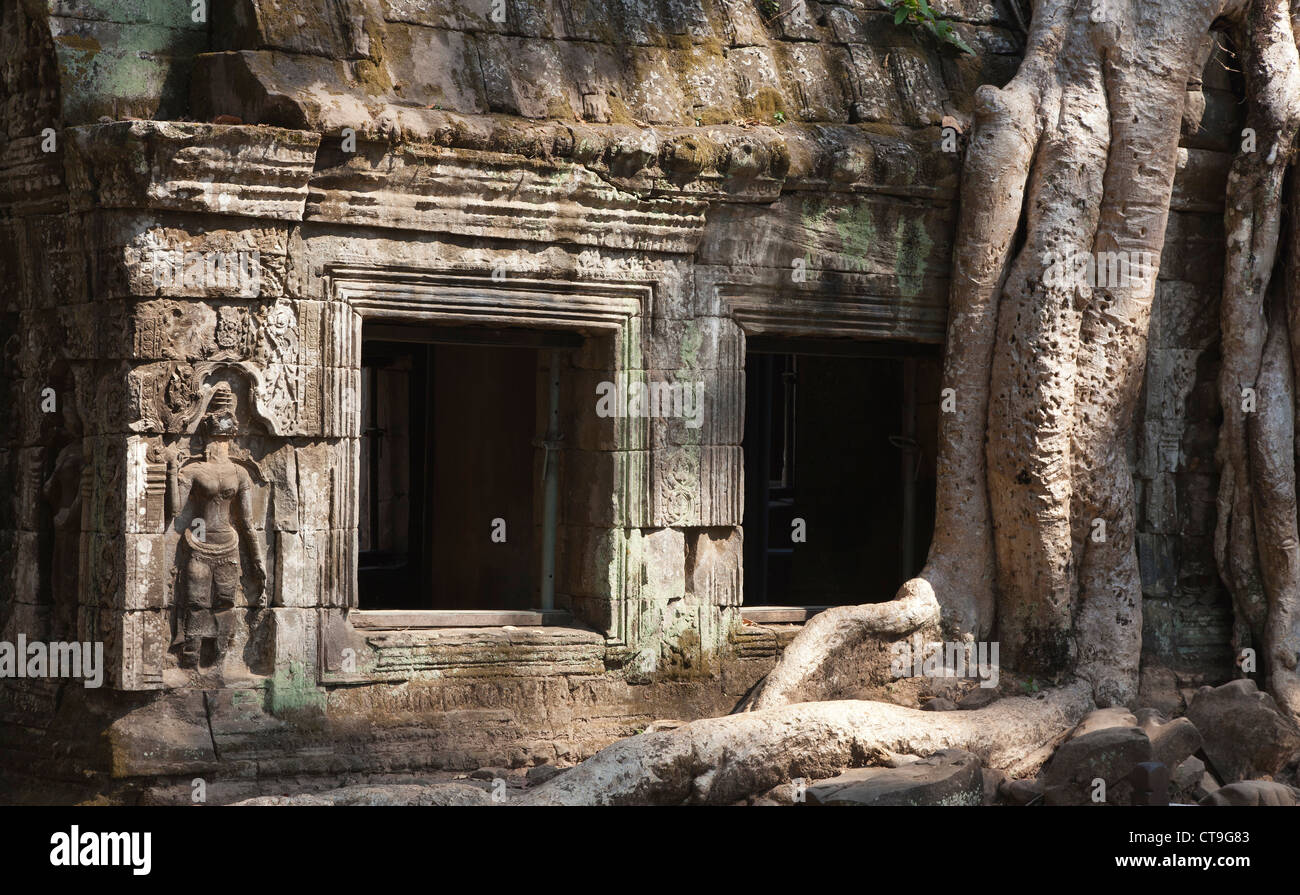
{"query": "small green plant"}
[(779, 117), (769, 8), (919, 13), (1030, 686)]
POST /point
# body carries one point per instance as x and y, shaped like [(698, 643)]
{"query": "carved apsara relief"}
[(214, 479), (679, 486), (215, 380)]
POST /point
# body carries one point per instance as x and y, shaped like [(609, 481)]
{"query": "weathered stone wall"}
[(663, 178)]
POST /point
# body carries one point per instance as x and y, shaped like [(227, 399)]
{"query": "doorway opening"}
[(839, 445), (454, 433)]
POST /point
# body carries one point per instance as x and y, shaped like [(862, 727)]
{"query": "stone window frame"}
[(756, 310), (764, 309), (614, 310)]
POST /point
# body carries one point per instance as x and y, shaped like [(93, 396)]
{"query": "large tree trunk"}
[(1256, 541), (1045, 361), (1034, 541)]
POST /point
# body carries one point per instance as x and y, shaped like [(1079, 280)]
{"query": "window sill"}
[(401, 654), (407, 619), (780, 615)]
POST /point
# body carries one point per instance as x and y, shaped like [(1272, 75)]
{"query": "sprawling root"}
[(833, 637), (1271, 433), (1256, 541), (723, 760)]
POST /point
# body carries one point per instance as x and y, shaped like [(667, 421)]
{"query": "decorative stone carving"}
[(746, 157), (282, 387), (221, 491), (680, 485), (165, 397)]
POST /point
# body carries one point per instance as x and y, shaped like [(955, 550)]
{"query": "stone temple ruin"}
[(400, 386)]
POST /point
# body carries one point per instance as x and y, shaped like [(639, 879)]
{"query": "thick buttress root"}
[(1256, 542), (807, 668), (719, 761), (1047, 345)]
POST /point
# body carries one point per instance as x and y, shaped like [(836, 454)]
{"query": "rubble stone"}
[(949, 777), (1245, 734)]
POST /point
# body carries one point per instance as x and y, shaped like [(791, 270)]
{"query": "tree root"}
[(1256, 541), (805, 671), (719, 761), (1008, 125)]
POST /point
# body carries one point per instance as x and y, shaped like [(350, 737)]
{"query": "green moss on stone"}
[(293, 690)]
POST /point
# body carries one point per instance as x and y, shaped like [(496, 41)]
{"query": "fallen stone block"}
[(1172, 742), (1185, 781), (1246, 735), (949, 777), (1109, 754), (1249, 793), (1020, 792)]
